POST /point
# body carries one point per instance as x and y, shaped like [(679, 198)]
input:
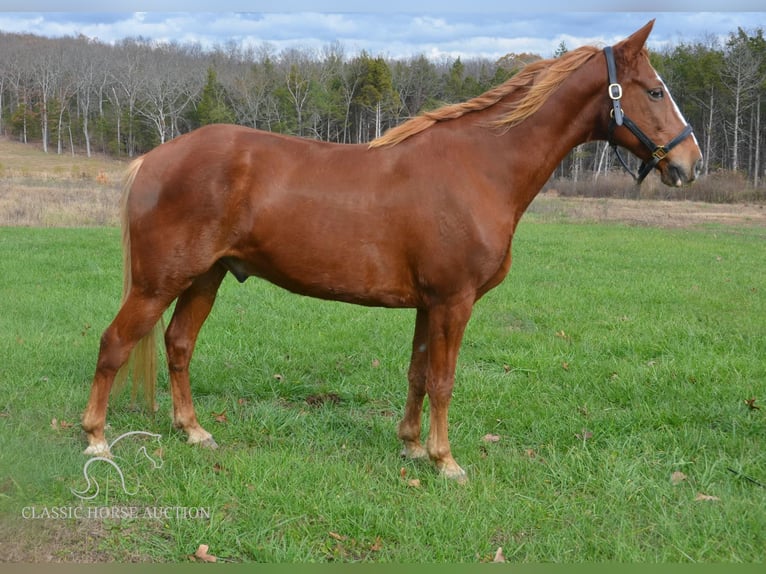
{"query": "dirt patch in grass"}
[(60, 541)]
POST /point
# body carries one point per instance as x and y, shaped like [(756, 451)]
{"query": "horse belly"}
[(335, 270)]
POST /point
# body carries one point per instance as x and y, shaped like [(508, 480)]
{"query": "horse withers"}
[(422, 217)]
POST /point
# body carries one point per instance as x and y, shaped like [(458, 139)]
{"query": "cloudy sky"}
[(398, 28)]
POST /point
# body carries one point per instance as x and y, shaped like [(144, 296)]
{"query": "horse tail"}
[(142, 361)]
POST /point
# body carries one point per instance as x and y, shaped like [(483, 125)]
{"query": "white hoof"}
[(98, 449), (203, 439), (414, 452)]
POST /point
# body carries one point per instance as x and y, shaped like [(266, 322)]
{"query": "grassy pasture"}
[(601, 401)]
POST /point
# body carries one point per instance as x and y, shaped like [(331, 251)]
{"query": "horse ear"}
[(633, 44)]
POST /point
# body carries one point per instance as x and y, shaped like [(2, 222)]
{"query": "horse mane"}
[(540, 79)]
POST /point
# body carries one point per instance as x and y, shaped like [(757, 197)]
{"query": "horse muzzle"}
[(676, 174)]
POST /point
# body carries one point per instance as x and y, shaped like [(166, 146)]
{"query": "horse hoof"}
[(208, 443), (203, 442), (414, 452), (98, 449), (454, 472)]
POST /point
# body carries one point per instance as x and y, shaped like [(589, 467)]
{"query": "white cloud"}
[(436, 34)]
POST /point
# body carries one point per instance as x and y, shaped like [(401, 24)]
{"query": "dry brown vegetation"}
[(650, 212), (50, 190)]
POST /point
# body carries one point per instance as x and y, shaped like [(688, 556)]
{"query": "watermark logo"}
[(84, 510), (91, 481)]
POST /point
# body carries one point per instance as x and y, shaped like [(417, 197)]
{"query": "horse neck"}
[(573, 115)]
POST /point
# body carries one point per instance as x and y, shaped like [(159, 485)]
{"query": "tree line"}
[(75, 94)]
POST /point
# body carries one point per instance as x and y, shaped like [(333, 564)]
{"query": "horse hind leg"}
[(191, 311), (135, 320)]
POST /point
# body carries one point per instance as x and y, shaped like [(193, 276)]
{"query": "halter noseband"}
[(659, 152)]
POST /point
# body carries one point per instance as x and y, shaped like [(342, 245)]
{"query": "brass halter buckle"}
[(660, 152)]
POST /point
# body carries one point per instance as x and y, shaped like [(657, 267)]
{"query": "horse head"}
[(642, 112)]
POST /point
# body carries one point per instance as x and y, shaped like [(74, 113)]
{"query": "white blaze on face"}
[(675, 107)]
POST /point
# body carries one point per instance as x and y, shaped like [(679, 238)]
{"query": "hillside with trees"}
[(79, 95)]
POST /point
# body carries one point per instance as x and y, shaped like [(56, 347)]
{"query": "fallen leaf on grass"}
[(499, 556), (677, 477), (201, 554), (751, 404), (705, 497), (60, 424), (375, 363), (491, 438), (352, 549), (413, 482), (220, 417), (532, 455), (584, 435)]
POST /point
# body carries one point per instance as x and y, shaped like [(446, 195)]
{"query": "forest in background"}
[(80, 95)]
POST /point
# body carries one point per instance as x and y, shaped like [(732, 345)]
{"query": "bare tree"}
[(299, 70), (171, 82), (66, 88), (741, 77), (46, 67), (88, 75), (251, 80), (128, 81), (416, 81), (22, 80)]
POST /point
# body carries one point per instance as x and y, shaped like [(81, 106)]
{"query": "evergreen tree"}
[(212, 107)]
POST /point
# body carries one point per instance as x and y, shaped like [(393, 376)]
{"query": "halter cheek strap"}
[(659, 152)]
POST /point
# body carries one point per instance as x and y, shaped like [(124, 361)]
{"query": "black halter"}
[(619, 118)]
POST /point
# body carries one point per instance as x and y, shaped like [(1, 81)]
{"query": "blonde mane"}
[(540, 79)]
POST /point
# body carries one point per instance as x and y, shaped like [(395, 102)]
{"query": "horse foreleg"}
[(135, 320), (409, 428), (192, 308), (446, 326)]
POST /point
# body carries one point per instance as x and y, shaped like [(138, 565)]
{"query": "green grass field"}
[(611, 358)]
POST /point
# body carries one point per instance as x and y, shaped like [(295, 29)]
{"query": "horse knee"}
[(112, 352), (179, 352)]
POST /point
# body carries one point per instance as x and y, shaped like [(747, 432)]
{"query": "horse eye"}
[(656, 94)]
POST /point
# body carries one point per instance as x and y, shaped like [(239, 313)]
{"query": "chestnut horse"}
[(421, 218)]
